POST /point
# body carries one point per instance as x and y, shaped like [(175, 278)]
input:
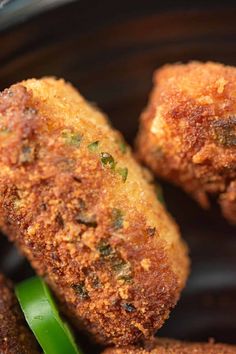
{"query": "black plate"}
[(109, 50)]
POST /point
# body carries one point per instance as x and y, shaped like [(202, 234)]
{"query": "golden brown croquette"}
[(77, 204), (188, 131), (15, 336), (169, 346)]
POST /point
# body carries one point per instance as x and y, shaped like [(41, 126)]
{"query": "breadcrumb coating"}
[(78, 206), (15, 336), (170, 346), (188, 131)]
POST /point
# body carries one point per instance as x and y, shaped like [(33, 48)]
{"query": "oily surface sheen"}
[(188, 131), (78, 206)]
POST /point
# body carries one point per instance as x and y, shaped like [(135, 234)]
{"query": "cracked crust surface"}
[(169, 346), (78, 206), (15, 336), (188, 131)]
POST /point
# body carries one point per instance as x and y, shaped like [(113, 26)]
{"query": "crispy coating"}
[(170, 346), (78, 206), (188, 131), (15, 337)]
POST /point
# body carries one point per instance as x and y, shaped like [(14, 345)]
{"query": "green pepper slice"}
[(42, 316)]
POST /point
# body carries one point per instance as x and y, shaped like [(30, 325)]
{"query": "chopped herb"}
[(81, 290), (93, 146), (122, 146), (117, 218), (104, 249), (151, 231), (96, 284), (225, 132), (83, 216), (119, 266), (127, 278), (86, 219), (59, 220), (159, 194), (72, 138), (123, 172), (122, 269), (107, 159), (128, 307), (27, 154)]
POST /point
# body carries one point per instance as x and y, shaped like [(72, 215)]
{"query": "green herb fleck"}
[(108, 160), (104, 249), (117, 218), (151, 231), (81, 290), (93, 146), (121, 269), (86, 219), (159, 194), (128, 307), (73, 139), (27, 154), (122, 146), (119, 266), (126, 278), (224, 131), (96, 284), (123, 171)]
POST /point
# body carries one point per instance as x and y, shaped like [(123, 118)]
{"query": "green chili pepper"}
[(42, 316)]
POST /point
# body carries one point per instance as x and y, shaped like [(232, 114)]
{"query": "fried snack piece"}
[(15, 337), (78, 206), (170, 346), (188, 131)]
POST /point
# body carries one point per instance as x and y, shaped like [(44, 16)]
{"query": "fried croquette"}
[(78, 206), (188, 131), (15, 337), (169, 346)]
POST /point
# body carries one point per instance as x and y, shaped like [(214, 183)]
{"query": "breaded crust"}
[(188, 131), (78, 206), (170, 346), (15, 336)]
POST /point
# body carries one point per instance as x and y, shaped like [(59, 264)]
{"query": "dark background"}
[(109, 49)]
